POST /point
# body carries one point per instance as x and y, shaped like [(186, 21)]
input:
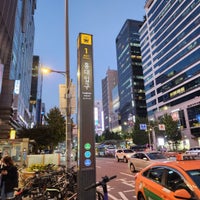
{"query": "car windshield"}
[(156, 156), (128, 151), (195, 175)]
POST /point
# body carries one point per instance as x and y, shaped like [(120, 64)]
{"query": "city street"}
[(121, 187)]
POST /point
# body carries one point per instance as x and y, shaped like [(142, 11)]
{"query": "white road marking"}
[(129, 184), (121, 194), (125, 182), (121, 179), (127, 191)]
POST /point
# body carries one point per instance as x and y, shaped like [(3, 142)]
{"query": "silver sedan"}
[(140, 160)]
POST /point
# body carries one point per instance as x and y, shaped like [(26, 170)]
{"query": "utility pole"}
[(68, 94)]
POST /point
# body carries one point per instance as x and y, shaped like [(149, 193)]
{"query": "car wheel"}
[(132, 168), (125, 160), (141, 197)]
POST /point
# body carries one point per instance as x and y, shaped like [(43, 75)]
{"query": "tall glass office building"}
[(108, 83), (170, 46), (16, 56), (130, 74)]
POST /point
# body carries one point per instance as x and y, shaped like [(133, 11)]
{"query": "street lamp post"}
[(154, 138), (68, 108), (153, 144), (149, 137), (68, 94), (151, 129)]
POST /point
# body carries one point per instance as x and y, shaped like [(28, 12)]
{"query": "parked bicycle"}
[(49, 184), (65, 186)]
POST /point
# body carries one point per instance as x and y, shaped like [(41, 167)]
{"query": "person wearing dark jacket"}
[(9, 178)]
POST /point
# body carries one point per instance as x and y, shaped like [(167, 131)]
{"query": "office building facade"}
[(130, 74), (16, 52), (170, 46), (36, 92), (108, 83), (116, 125)]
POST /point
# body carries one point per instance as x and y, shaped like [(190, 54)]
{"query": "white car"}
[(123, 154), (140, 160), (194, 151)]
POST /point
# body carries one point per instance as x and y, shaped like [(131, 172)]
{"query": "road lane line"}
[(121, 179), (127, 191), (122, 196), (129, 184)]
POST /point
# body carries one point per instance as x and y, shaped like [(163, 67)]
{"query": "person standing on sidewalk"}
[(9, 177)]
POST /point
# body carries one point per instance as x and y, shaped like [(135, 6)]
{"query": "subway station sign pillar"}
[(86, 135)]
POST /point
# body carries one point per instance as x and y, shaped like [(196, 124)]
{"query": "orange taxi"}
[(170, 180)]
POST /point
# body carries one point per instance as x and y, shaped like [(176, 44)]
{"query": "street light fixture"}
[(46, 70)]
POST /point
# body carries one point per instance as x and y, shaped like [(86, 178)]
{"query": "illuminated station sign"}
[(86, 135)]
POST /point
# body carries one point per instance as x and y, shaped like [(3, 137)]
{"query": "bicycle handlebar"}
[(105, 179)]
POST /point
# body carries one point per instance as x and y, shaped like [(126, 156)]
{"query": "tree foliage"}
[(47, 136), (56, 124), (108, 135), (40, 134), (172, 132), (140, 137)]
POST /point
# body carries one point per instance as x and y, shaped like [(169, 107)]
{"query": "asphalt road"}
[(120, 188)]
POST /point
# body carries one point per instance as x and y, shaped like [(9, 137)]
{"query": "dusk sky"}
[(103, 19)]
